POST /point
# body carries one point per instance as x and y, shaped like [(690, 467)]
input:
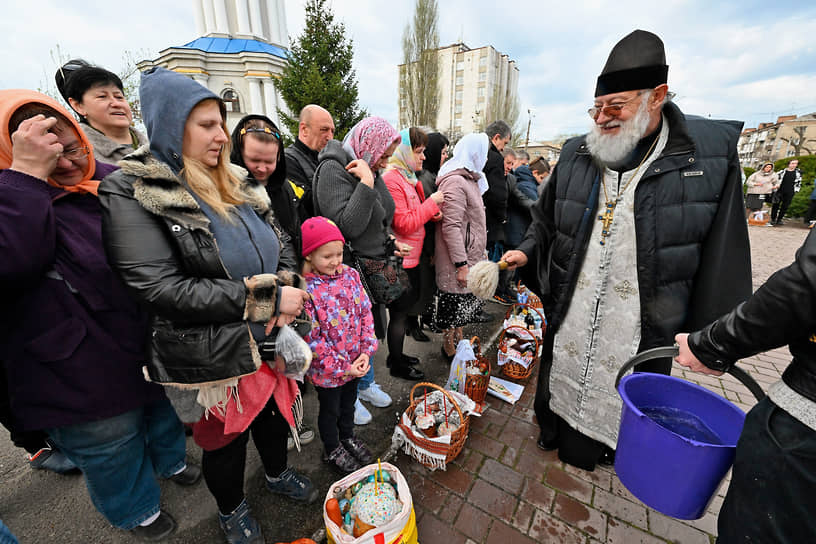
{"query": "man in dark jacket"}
[(495, 201), (769, 498), (315, 129), (638, 234)]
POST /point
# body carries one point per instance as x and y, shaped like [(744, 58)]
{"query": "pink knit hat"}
[(317, 231)]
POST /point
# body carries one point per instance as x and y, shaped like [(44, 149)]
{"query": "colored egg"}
[(344, 505), (370, 479)]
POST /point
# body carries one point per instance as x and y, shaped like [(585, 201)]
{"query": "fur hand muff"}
[(291, 279), (262, 292)]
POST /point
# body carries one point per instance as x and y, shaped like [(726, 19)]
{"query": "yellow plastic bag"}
[(400, 530)]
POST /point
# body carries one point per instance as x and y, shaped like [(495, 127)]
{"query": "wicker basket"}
[(512, 369), (476, 385), (458, 436)]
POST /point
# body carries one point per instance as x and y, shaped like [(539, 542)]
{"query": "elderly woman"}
[(461, 237), (412, 212), (72, 338), (196, 241), (98, 98), (349, 190)]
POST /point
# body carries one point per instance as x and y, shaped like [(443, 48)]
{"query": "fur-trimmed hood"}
[(161, 192)]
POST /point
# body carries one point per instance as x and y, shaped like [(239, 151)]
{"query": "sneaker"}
[(240, 527), (374, 395), (341, 459), (50, 458), (306, 436), (189, 476), (358, 449), (810, 226), (361, 414), (293, 485), (503, 299), (162, 527)]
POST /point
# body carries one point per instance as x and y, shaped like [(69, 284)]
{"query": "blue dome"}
[(230, 45)]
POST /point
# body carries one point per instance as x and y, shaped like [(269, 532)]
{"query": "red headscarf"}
[(10, 101), (370, 138)]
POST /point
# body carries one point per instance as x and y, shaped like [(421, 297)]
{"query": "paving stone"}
[(451, 509), (538, 495), (707, 523), (501, 533), (472, 522), (488, 446), (569, 484), (598, 478), (619, 507), (493, 500), (577, 514), (428, 494), (474, 462), (618, 532), (434, 530), (524, 414), (455, 479), (534, 463), (620, 490), (675, 531), (509, 456), (546, 528), (501, 476), (516, 431), (523, 516)]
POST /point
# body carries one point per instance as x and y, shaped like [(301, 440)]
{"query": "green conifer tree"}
[(320, 72)]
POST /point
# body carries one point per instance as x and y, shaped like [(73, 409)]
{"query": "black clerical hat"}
[(638, 61)]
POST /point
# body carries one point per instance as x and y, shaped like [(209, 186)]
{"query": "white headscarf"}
[(469, 153)]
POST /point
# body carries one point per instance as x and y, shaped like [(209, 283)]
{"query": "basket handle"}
[(434, 386), (534, 337), (672, 351), (475, 342)]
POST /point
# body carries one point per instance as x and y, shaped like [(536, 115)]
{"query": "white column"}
[(255, 99), (255, 20), (272, 20), (209, 17), (282, 32), (198, 13), (221, 20), (269, 100), (243, 17)]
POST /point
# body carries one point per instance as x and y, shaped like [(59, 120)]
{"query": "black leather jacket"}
[(782, 311), (159, 241)]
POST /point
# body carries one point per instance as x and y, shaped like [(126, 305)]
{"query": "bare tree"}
[(419, 74), (799, 142), (503, 105)]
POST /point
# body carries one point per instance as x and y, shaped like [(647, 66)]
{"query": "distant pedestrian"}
[(810, 215), (789, 181), (760, 184)]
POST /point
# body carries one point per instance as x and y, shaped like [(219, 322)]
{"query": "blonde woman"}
[(197, 243)]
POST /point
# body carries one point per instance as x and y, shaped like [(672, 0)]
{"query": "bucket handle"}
[(672, 351)]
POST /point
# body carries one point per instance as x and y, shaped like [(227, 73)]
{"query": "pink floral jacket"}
[(342, 326)]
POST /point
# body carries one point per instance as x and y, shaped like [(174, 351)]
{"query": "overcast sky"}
[(748, 60)]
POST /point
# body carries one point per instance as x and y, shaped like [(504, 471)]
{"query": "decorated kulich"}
[(446, 428), (426, 423), (374, 506)]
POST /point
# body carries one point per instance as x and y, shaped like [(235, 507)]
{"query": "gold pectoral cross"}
[(606, 219)]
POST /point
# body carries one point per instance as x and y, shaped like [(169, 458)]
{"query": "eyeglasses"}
[(76, 153), (265, 130), (611, 110)]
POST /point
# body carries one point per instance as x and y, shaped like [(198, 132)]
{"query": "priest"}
[(639, 234)]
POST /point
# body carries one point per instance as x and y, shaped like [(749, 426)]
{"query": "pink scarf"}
[(369, 139)]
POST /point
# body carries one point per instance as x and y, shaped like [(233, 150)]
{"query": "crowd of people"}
[(152, 280)]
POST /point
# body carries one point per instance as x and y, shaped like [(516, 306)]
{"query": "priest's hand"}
[(514, 259)]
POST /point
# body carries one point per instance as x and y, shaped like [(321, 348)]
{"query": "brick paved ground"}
[(502, 489)]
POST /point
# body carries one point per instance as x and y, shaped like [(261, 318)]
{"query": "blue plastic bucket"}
[(677, 440)]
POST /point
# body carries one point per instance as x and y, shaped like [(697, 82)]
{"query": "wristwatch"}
[(460, 264)]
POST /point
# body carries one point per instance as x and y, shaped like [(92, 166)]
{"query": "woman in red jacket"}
[(412, 211)]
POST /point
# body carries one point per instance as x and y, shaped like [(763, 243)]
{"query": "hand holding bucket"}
[(676, 440)]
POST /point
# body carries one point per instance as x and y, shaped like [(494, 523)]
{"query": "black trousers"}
[(810, 215), (224, 468), (770, 498), (31, 441), (780, 207), (335, 419)]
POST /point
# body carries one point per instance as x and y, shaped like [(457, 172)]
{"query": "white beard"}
[(614, 148)]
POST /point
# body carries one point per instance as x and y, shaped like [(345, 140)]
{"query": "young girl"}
[(342, 339)]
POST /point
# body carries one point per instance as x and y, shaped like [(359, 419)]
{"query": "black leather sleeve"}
[(140, 248), (781, 311)]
